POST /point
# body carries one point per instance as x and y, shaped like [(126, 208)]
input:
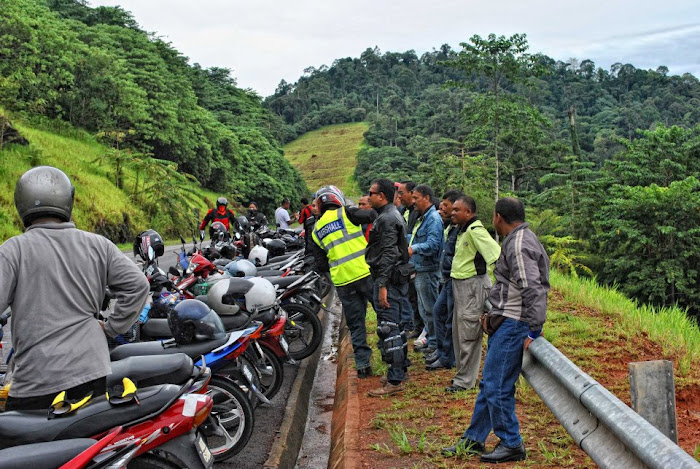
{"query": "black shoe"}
[(428, 351), (453, 388), (464, 446), (502, 453), (365, 372), (431, 358), (436, 365)]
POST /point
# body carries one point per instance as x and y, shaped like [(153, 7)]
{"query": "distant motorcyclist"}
[(255, 218), (54, 278), (221, 213), (306, 210)]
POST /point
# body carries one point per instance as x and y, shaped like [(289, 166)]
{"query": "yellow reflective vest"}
[(344, 244)]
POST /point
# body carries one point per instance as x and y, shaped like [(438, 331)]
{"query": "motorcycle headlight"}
[(191, 267)]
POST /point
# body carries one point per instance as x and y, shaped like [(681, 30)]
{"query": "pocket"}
[(472, 330)]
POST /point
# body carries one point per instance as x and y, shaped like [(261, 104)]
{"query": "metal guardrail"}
[(612, 434)]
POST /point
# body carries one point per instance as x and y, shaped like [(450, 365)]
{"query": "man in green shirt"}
[(476, 253)]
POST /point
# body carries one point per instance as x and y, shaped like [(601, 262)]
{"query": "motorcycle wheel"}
[(148, 461), (324, 284), (234, 412), (303, 330), (270, 378), (304, 297)]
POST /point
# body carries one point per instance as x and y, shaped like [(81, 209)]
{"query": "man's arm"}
[(487, 247), (388, 246), (207, 218), (359, 216), (320, 257), (525, 272), (8, 280), (131, 288), (434, 240)]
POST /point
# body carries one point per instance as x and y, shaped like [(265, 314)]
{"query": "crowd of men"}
[(426, 266)]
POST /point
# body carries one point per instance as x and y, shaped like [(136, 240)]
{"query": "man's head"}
[(463, 210), (253, 208), (304, 201), (44, 192), (448, 200), (406, 193), (330, 197), (423, 197), (381, 192), (363, 202), (508, 214), (285, 203)]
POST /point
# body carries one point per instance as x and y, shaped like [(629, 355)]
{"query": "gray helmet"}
[(44, 191)]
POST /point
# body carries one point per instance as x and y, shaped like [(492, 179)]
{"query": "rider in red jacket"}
[(222, 214)]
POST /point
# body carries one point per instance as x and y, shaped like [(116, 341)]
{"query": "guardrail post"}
[(654, 395)]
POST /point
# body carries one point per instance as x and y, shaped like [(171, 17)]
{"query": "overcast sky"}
[(264, 41)]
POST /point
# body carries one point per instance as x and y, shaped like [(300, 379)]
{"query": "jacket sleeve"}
[(320, 257), (390, 252), (207, 218), (435, 238), (131, 288), (524, 262), (360, 217), (8, 277), (487, 247), (233, 221)]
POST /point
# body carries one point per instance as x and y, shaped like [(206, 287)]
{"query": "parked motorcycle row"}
[(208, 348)]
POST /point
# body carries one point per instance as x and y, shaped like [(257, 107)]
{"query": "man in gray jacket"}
[(519, 298), (54, 278)]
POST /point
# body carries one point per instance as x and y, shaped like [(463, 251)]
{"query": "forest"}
[(607, 161), (95, 69)]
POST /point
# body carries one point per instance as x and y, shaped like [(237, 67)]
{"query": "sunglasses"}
[(373, 193)]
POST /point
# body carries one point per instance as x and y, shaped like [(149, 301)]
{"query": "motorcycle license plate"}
[(203, 451), (284, 345), (248, 374)]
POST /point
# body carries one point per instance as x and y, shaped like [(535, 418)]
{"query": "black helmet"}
[(243, 223), (219, 232), (277, 247), (148, 245), (44, 191), (222, 201), (192, 320)]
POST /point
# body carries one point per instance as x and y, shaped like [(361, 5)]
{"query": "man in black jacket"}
[(386, 250)]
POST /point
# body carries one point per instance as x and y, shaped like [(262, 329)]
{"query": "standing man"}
[(282, 217), (221, 214), (364, 204), (425, 246), (444, 356), (306, 210), (340, 244), (411, 321), (520, 297), (59, 344), (476, 253), (386, 251)]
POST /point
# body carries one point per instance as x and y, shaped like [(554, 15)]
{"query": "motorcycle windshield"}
[(184, 263)]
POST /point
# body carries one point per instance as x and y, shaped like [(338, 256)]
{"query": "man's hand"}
[(102, 325), (529, 340), (383, 301), (410, 251)]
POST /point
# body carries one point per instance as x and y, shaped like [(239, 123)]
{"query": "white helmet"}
[(262, 296), (241, 268), (258, 256), (220, 300)]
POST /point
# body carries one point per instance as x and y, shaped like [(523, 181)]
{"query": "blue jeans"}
[(427, 290), (354, 298), (495, 405), (398, 361), (442, 315), (406, 319)]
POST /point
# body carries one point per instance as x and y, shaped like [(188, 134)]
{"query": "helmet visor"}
[(210, 326)]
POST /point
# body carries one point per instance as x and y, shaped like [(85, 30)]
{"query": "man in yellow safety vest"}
[(339, 247)]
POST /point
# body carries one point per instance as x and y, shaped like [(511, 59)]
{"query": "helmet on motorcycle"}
[(261, 296), (241, 268), (221, 201), (44, 191), (243, 223), (258, 256), (276, 247), (148, 245), (330, 195), (192, 320), (288, 239), (219, 232), (228, 298)]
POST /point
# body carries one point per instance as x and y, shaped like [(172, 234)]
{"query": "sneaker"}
[(453, 388), (387, 390), (420, 344), (436, 365), (365, 372), (428, 351), (383, 380), (432, 357)]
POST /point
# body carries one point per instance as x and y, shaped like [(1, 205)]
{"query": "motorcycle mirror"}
[(182, 240), (173, 271), (201, 236)]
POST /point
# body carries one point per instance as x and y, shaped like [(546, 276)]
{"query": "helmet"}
[(192, 320), (222, 201), (242, 268), (330, 195), (261, 296), (44, 191), (218, 231), (258, 256), (276, 247), (148, 245), (230, 296), (243, 223)]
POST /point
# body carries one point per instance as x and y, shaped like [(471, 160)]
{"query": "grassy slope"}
[(328, 155), (97, 197)]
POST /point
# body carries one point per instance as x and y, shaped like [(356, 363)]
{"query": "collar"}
[(462, 229), (52, 226), (521, 226), (384, 208)]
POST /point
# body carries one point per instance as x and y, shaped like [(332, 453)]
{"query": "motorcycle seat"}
[(269, 273), (156, 327), (280, 258), (168, 347), (33, 426), (234, 321), (283, 282), (152, 370), (291, 231), (43, 455)]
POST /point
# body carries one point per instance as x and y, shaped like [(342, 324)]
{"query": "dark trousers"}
[(398, 361), (354, 298), (442, 315), (412, 300), (97, 387)]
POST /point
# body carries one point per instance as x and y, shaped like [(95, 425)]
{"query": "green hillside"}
[(328, 155), (151, 196)]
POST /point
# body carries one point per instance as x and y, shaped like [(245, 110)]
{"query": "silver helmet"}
[(44, 191)]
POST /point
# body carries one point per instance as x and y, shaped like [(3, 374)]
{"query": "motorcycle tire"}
[(303, 330), (324, 284), (234, 412), (270, 379), (148, 461), (304, 297)]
